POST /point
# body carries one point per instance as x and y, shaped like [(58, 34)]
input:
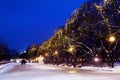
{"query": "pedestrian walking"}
[(23, 62)]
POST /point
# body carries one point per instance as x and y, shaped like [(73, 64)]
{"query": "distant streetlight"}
[(112, 39), (46, 54), (56, 53), (56, 57), (71, 49), (96, 59)]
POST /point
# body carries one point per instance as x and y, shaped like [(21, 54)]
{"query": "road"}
[(33, 71)]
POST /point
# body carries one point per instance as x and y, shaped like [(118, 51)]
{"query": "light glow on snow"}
[(72, 71)]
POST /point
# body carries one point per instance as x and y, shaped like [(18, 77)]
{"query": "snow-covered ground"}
[(34, 71)]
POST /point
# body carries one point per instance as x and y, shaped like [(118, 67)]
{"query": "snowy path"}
[(14, 71)]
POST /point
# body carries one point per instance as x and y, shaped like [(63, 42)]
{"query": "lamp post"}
[(97, 61), (46, 54), (111, 40), (72, 50), (56, 58), (46, 58), (56, 53)]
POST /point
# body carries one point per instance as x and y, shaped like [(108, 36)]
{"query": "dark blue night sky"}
[(24, 22)]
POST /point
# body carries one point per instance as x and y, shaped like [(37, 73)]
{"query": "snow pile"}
[(105, 69), (116, 68), (6, 67), (2, 66)]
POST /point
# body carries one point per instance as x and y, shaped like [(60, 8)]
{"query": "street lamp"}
[(46, 58), (56, 57), (112, 39), (96, 59), (72, 50), (56, 53)]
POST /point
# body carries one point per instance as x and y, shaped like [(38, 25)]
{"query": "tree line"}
[(88, 31), (7, 53)]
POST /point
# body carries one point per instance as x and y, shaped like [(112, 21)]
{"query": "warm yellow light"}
[(71, 49), (80, 59), (36, 59), (40, 58), (33, 49), (72, 71), (56, 52), (46, 54), (112, 38), (96, 59), (105, 1)]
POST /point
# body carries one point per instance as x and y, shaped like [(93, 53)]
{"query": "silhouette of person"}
[(23, 62)]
